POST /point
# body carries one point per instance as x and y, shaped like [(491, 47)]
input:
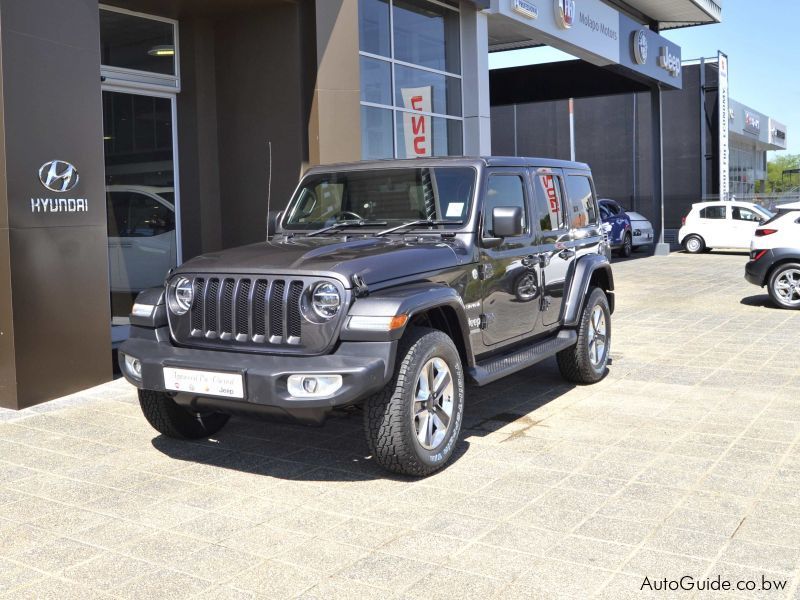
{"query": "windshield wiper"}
[(350, 223), (428, 222)]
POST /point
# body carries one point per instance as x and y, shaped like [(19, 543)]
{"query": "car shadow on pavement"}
[(338, 451), (759, 300)]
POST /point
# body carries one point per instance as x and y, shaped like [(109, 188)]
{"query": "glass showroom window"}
[(411, 102)]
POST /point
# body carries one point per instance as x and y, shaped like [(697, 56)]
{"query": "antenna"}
[(269, 183)]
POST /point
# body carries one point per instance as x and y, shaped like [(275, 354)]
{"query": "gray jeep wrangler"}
[(386, 286)]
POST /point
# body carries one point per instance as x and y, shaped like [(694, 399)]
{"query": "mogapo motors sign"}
[(59, 176)]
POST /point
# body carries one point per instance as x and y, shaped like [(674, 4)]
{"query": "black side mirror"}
[(507, 221), (272, 221)]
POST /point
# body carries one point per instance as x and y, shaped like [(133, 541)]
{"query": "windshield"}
[(391, 196)]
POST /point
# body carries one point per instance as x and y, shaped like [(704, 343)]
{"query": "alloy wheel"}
[(598, 337), (787, 286), (433, 403)]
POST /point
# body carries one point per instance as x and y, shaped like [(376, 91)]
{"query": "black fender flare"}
[(410, 300), (585, 267)]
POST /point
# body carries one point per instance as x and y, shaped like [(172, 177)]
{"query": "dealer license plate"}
[(227, 385)]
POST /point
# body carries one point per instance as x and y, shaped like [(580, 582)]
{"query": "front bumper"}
[(365, 368), (756, 270)]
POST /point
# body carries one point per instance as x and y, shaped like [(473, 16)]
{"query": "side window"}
[(549, 203), (503, 190), (135, 215), (745, 214), (713, 212), (581, 201)]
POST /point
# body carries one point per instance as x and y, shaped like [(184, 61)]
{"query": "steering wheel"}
[(355, 216)]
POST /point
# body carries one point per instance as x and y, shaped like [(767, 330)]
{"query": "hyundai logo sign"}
[(565, 13), (58, 176)]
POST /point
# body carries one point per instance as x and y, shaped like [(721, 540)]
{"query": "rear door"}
[(555, 243), (714, 225), (509, 311)]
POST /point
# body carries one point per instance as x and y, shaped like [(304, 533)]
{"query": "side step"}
[(499, 366)]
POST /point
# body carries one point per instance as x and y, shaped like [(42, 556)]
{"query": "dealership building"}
[(136, 134), (694, 135)]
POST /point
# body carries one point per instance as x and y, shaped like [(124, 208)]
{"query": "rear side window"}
[(503, 190), (549, 203), (713, 212), (581, 201)]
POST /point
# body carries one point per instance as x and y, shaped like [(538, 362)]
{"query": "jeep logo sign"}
[(58, 176)]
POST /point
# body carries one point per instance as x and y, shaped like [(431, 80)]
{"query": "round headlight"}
[(326, 300), (181, 295)]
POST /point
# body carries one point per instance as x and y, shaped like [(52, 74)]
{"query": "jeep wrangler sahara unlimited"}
[(386, 285)]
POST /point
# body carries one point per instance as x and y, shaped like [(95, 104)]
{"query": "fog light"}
[(313, 386), (133, 366)]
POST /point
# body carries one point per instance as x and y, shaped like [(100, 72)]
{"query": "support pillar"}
[(475, 73), (660, 247)]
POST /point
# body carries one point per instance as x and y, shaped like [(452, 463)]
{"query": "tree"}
[(776, 182)]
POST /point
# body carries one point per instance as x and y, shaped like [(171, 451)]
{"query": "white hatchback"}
[(721, 225)]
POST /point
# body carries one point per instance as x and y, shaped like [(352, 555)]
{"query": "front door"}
[(509, 277), (744, 223)]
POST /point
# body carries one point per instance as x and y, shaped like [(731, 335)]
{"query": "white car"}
[(642, 230), (728, 224), (775, 257), (141, 236)]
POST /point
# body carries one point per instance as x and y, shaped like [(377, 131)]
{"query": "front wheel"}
[(413, 424), (171, 419), (627, 246), (784, 286), (586, 361)]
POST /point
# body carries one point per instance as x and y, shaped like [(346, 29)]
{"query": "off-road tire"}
[(574, 362), (771, 286), (388, 422), (172, 420), (694, 244)]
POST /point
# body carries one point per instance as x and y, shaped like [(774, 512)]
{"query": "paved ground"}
[(685, 461)]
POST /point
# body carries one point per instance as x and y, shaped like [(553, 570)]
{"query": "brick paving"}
[(685, 460)]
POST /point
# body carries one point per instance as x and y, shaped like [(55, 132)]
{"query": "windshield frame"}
[(462, 225)]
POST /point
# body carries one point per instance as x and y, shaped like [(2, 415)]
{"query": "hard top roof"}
[(452, 161)]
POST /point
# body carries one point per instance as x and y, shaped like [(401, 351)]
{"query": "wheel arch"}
[(592, 270), (783, 259), (431, 305)]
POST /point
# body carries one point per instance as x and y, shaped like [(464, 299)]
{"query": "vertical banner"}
[(724, 121), (417, 128)]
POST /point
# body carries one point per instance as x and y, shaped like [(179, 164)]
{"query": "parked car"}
[(620, 236), (141, 235), (728, 224), (386, 286), (642, 230), (775, 257)]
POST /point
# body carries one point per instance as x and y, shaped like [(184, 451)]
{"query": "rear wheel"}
[(586, 361), (413, 424), (171, 419), (694, 244), (784, 286), (627, 246)]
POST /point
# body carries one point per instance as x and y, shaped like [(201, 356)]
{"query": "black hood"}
[(374, 259)]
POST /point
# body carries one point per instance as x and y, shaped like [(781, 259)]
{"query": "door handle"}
[(567, 253)]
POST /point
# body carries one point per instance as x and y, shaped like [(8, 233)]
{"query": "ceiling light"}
[(164, 50)]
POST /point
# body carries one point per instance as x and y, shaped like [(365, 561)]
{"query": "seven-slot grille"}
[(247, 310)]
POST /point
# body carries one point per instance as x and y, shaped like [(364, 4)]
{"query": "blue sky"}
[(762, 42)]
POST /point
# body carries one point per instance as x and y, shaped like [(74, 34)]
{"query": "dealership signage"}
[(526, 9), (752, 122), (641, 48), (61, 177), (649, 56), (416, 125), (777, 133), (565, 13), (724, 125), (669, 62)]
